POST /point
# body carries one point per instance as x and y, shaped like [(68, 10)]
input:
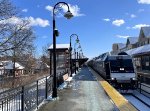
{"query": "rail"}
[(29, 96)]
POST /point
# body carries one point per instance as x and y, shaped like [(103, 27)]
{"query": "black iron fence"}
[(28, 97), (144, 83)]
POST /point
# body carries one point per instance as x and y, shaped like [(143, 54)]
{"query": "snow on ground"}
[(138, 104)]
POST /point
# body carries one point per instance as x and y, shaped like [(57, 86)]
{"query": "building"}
[(117, 47), (139, 49), (7, 67), (62, 57), (131, 43)]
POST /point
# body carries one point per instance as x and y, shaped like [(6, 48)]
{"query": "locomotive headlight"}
[(121, 69), (133, 78), (112, 78)]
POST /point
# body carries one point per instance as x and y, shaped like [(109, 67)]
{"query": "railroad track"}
[(140, 101)]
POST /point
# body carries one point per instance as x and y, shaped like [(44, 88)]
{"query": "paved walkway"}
[(85, 94)]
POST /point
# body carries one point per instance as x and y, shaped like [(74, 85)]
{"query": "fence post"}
[(22, 98), (2, 105), (140, 83), (37, 94), (46, 88)]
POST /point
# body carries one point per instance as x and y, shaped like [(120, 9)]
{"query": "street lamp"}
[(77, 40), (68, 15), (79, 47), (75, 55)]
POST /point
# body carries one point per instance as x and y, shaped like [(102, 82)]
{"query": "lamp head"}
[(68, 15), (77, 40)]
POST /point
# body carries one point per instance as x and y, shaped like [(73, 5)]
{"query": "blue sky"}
[(98, 23)]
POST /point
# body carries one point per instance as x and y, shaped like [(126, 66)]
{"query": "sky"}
[(98, 23)]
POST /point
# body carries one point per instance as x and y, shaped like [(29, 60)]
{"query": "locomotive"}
[(118, 70)]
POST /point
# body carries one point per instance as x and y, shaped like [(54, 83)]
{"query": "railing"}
[(142, 84), (28, 97)]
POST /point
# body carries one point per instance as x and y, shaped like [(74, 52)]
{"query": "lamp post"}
[(77, 40), (79, 47), (75, 55), (68, 15)]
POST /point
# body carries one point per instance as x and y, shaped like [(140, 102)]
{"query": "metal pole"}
[(50, 64), (140, 83), (37, 94), (75, 59), (22, 98), (70, 58), (54, 93), (46, 88)]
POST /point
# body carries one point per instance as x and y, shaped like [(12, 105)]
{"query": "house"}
[(8, 67), (138, 48), (117, 47), (131, 43), (144, 36), (41, 67)]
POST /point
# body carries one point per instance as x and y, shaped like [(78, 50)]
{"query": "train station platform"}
[(85, 93)]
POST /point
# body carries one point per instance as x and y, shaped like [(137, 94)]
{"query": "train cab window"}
[(118, 65)]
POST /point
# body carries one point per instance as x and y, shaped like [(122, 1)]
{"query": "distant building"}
[(131, 43), (7, 67), (62, 57), (41, 67), (144, 36), (117, 47), (138, 48)]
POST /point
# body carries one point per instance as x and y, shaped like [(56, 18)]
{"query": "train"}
[(118, 70)]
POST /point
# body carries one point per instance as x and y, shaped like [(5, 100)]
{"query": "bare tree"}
[(7, 10), (16, 34), (46, 56)]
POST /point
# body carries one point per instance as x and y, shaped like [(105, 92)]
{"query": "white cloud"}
[(138, 26), (118, 22), (75, 10), (25, 10), (128, 28), (141, 10), (106, 19), (132, 16), (122, 36), (33, 21), (144, 1), (38, 21), (49, 8)]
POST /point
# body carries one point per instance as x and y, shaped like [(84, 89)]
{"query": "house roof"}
[(41, 65), (9, 65), (121, 45), (60, 46), (139, 50), (146, 31), (132, 40)]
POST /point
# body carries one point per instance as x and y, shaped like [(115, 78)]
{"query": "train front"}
[(122, 73)]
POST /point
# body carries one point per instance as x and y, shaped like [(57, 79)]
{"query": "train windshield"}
[(122, 65)]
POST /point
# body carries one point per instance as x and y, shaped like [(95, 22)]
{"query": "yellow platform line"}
[(117, 98)]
